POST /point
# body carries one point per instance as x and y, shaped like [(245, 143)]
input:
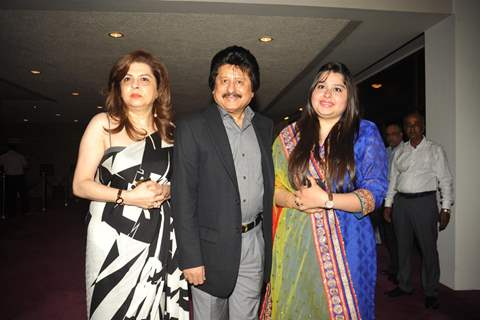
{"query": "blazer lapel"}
[(218, 134)]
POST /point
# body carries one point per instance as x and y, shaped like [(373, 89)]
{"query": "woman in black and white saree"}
[(124, 166)]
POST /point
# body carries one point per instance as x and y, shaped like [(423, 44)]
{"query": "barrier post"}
[(44, 191), (3, 216)]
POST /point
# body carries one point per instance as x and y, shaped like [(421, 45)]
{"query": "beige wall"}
[(453, 114), (467, 104), (440, 117)]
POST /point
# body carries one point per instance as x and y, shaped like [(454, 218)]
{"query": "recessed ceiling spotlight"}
[(35, 72), (300, 109), (75, 120), (99, 107), (286, 118), (57, 114), (35, 107), (376, 85), (115, 34), (25, 120), (75, 93), (265, 39)]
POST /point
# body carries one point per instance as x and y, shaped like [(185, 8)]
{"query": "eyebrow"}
[(228, 76), (335, 84), (140, 75)]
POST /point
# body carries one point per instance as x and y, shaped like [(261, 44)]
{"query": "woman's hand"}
[(147, 195), (311, 199), (287, 199)]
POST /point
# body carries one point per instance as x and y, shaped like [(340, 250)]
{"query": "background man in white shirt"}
[(14, 164), (419, 168)]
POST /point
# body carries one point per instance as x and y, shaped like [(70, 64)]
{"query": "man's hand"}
[(387, 214), (444, 219), (195, 276)]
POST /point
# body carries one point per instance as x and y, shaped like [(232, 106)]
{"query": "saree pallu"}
[(324, 265)]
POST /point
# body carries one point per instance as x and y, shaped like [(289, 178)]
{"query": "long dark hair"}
[(162, 107), (338, 145)]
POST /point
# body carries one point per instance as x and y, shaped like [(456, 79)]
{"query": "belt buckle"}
[(244, 228)]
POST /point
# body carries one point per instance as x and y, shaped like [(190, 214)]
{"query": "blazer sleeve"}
[(185, 196)]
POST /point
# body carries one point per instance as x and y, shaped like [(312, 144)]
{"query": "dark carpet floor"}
[(42, 267)]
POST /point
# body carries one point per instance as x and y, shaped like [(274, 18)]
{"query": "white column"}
[(452, 69), (440, 118)]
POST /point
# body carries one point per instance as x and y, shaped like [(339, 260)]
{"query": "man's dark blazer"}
[(206, 201)]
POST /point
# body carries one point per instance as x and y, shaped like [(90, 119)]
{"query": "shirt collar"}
[(247, 118), (421, 144)]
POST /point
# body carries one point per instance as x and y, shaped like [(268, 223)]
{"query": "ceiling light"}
[(35, 72), (376, 85), (25, 120), (300, 109), (286, 118), (99, 107), (75, 93), (265, 39), (75, 120), (35, 107), (115, 34), (57, 114)]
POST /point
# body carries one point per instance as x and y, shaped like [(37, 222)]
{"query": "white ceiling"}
[(67, 40)]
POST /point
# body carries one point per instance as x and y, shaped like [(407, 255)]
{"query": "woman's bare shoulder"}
[(103, 121)]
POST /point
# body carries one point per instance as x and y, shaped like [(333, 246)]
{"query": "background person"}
[(14, 164), (419, 169), (394, 137)]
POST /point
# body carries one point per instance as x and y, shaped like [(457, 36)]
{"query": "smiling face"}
[(139, 86), (329, 97), (233, 89)]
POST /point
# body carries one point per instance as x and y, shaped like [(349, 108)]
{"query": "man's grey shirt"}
[(248, 163)]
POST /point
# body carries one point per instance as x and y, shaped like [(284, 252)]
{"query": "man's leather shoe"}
[(392, 278), (431, 302), (397, 292)]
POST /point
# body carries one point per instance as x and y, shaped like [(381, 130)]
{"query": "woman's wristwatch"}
[(329, 204), (119, 201)]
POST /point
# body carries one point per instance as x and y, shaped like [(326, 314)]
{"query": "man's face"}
[(414, 127), (394, 135), (233, 89)]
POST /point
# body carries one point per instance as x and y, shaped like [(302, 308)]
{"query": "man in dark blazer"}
[(222, 193)]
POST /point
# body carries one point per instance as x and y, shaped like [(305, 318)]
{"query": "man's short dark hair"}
[(394, 124), (237, 56), (417, 115)]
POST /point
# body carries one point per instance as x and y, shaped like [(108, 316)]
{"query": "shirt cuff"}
[(388, 202)]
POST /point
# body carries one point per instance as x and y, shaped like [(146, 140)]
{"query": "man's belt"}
[(249, 226), (416, 195)]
